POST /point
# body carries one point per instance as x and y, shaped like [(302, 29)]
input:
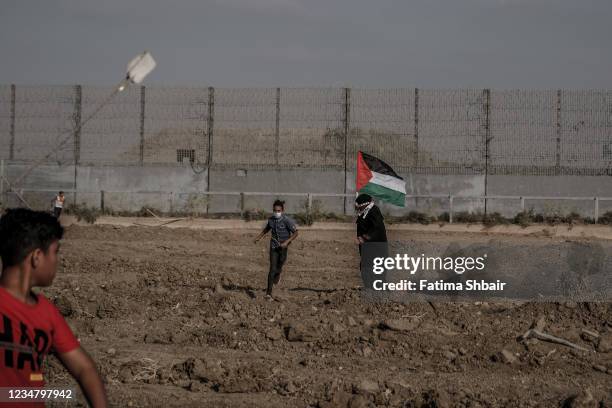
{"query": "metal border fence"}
[(428, 131)]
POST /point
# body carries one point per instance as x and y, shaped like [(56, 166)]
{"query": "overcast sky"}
[(359, 43)]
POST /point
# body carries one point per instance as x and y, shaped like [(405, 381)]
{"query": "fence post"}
[(309, 203), (12, 122), (450, 209), (142, 123), (277, 130), (242, 204), (558, 148), (78, 94), (102, 201), (347, 129), (211, 127), (487, 95), (416, 127), (522, 204), (596, 212)]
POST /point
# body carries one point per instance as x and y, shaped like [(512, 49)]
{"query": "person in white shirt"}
[(58, 204)]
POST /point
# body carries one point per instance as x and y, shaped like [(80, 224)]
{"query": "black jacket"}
[(373, 225)]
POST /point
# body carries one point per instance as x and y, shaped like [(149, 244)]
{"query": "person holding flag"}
[(375, 178), (371, 237), (370, 221)]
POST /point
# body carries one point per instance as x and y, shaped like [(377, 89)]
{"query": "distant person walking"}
[(58, 204), (284, 231)]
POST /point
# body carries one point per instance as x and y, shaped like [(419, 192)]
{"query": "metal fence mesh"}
[(382, 124), (311, 127), (5, 121), (113, 135), (451, 126), (464, 131), (586, 130), (523, 131), (175, 125), (43, 118), (244, 127)]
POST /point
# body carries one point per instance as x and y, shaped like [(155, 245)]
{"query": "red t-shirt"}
[(27, 334)]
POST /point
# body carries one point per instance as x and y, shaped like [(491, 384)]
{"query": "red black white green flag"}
[(378, 179)]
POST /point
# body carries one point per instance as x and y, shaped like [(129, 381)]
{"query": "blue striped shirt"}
[(281, 229)]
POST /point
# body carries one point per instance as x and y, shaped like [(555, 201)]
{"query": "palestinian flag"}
[(377, 178)]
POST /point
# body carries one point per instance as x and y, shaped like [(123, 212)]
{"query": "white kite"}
[(137, 69)]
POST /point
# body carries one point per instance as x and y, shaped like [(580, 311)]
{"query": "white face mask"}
[(277, 214)]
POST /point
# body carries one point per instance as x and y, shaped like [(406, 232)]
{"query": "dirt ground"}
[(177, 318)]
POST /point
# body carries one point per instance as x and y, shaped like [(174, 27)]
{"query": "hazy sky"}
[(360, 43)]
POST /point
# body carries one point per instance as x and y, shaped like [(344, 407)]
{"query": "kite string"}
[(70, 136)]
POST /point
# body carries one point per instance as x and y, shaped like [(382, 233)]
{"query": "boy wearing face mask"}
[(284, 231)]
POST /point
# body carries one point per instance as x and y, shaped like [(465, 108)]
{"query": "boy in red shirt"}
[(30, 325)]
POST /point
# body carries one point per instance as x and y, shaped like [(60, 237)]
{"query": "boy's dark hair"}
[(22, 231), (279, 203), (61, 192)]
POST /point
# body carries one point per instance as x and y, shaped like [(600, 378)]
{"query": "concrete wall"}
[(578, 186), (126, 187), (286, 181), (178, 188)]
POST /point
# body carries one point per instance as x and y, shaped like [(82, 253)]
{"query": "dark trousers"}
[(366, 262), (278, 256), (57, 211)]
